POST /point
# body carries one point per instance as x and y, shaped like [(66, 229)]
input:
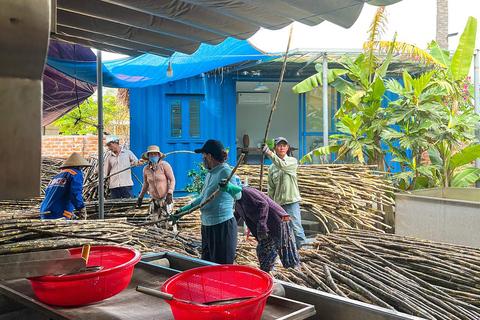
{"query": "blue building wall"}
[(388, 97), (150, 122)]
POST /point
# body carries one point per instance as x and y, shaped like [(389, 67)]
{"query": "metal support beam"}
[(326, 119), (100, 135), (476, 83), (313, 59)]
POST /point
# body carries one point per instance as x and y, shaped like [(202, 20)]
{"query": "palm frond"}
[(406, 50), (377, 28), (378, 25)]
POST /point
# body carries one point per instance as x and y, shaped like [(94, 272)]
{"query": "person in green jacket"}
[(283, 185)]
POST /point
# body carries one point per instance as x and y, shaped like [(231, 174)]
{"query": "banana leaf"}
[(462, 59), (465, 178)]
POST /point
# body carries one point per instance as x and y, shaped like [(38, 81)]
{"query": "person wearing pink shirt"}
[(159, 181)]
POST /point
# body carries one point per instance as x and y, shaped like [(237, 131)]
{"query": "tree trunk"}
[(442, 24)]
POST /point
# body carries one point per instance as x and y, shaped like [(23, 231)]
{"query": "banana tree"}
[(460, 117), (361, 117)]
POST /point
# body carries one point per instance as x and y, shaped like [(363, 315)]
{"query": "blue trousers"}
[(293, 209), (121, 192)]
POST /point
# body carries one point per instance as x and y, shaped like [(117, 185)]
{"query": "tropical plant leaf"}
[(434, 157), (306, 158), (420, 83), (343, 86), (394, 86), (422, 183), (406, 50), (356, 71), (382, 70), (319, 152), (462, 59), (317, 80), (465, 156), (440, 54), (427, 170), (376, 90), (465, 178)]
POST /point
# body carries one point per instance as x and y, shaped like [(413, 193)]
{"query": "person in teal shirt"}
[(219, 227)]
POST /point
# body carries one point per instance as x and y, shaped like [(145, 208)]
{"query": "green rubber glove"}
[(229, 188), (174, 218), (184, 208)]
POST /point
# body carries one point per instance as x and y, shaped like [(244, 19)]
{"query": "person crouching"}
[(64, 191), (268, 222)]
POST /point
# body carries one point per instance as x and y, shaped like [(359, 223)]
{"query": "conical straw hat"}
[(75, 160)]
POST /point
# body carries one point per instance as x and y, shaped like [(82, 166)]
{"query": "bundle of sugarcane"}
[(90, 181), (419, 277), (340, 196), (14, 205), (25, 235), (50, 168)]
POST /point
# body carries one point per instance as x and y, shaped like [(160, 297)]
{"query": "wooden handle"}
[(155, 293), (86, 252)]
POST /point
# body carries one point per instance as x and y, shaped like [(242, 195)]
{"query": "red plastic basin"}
[(211, 283), (74, 290)]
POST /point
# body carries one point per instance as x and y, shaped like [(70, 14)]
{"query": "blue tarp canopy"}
[(148, 70)]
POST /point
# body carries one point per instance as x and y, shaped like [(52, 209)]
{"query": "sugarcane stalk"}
[(274, 104)]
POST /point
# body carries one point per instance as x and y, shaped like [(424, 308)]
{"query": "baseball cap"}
[(280, 139), (214, 147)]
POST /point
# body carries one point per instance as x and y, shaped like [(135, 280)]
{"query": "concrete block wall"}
[(61, 146)]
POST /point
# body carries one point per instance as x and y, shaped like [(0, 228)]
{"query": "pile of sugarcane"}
[(340, 196), (28, 233), (25, 204), (117, 208), (90, 181), (50, 168), (419, 277)]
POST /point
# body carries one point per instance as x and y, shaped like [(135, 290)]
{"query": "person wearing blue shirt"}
[(64, 191), (219, 227)]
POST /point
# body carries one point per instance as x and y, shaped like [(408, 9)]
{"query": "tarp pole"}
[(100, 135), (476, 84), (325, 104)]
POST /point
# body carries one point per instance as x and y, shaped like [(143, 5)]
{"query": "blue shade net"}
[(148, 70)]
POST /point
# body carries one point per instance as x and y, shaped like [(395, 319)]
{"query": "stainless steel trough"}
[(450, 215)]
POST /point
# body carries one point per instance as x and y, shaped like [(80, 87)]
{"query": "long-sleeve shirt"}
[(282, 180), (260, 213), (114, 163), (158, 182), (220, 209), (63, 194)]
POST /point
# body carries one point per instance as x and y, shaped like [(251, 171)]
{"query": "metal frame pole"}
[(325, 104), (100, 135), (476, 84)]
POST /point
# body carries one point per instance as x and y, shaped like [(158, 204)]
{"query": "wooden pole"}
[(274, 104)]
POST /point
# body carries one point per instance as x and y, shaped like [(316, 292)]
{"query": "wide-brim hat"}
[(75, 160), (152, 149)]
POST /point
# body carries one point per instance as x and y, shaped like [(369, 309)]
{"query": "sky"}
[(413, 20)]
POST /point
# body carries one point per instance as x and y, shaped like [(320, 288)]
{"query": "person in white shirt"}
[(119, 159)]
